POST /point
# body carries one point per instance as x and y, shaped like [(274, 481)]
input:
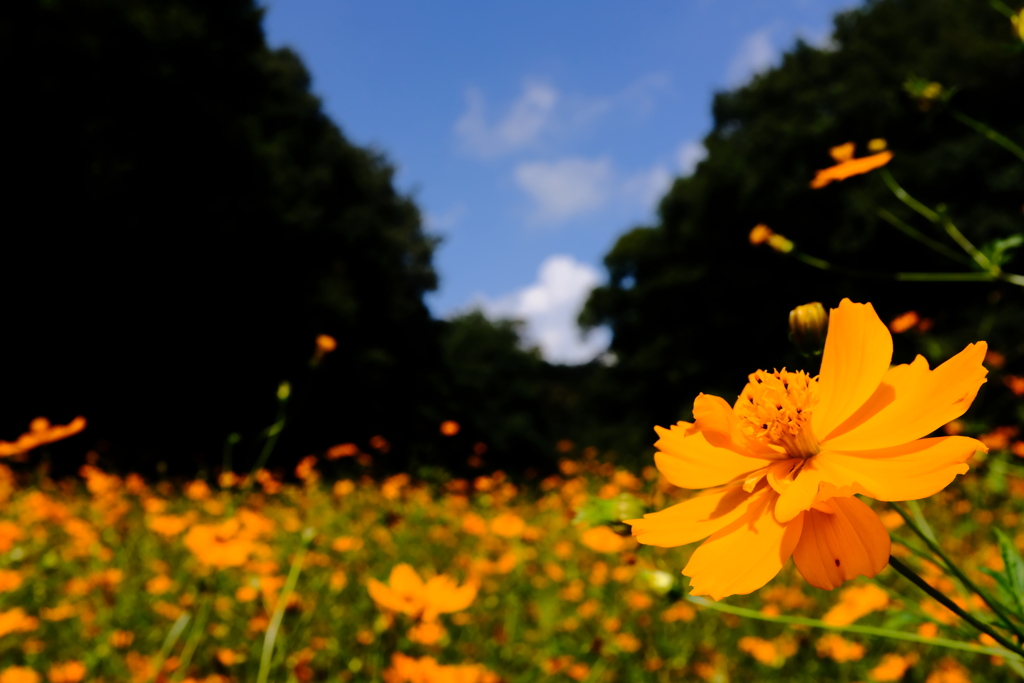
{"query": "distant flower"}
[(508, 525), (847, 166), (19, 674), (16, 621), (67, 672), (893, 667), (406, 669), (837, 648), (783, 464), (407, 593), (855, 602), (427, 633), (603, 540), (41, 432), (342, 450), (227, 544), (450, 428)]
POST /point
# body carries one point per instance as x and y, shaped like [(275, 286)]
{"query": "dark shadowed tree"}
[(182, 220)]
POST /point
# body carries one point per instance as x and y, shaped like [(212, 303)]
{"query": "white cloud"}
[(445, 221), (522, 125), (755, 54), (566, 188), (647, 187), (690, 153), (549, 308)]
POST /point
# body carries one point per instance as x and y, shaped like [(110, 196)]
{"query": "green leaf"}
[(1014, 570), (597, 511), (999, 251)]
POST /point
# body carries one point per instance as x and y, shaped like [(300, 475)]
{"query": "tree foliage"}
[(182, 221)]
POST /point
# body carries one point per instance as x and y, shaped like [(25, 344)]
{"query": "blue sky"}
[(532, 134)]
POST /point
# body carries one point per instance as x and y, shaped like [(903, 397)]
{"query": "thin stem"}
[(916, 234), (944, 277), (273, 433), (952, 606), (169, 642), (939, 219), (989, 133), (955, 570), (1002, 8), (855, 628), (196, 635), (282, 603)]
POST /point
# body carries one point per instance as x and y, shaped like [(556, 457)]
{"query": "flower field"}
[(119, 579)]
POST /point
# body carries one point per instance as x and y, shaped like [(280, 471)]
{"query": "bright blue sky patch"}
[(533, 134)]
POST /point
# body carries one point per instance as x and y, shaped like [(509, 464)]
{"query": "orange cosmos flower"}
[(783, 464), (847, 166), (406, 592)]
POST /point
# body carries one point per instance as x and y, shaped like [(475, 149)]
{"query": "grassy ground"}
[(111, 579)]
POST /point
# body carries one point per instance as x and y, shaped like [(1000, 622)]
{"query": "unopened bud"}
[(658, 582), (284, 390), (762, 234), (877, 145), (808, 325), (1018, 24)]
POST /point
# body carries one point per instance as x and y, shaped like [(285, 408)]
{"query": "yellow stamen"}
[(776, 407)]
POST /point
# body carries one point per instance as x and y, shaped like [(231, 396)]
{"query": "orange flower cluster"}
[(426, 670), (229, 543)]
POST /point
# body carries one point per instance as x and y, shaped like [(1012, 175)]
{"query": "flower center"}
[(776, 407)]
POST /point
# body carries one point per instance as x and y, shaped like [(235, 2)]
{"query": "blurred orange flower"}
[(426, 670), (603, 540), (450, 427), (855, 602), (508, 525), (67, 672), (407, 593), (41, 432), (227, 544), (847, 166), (893, 667), (19, 674), (783, 464)]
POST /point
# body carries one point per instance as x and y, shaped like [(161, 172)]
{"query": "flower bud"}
[(808, 325), (762, 234)]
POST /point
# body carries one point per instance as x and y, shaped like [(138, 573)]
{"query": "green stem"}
[(169, 642), (916, 234), (1002, 8), (939, 219), (929, 540), (855, 628), (273, 433), (194, 636), (952, 606), (989, 133), (282, 603)]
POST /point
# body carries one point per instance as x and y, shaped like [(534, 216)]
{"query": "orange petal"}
[(858, 350), (745, 555), (849, 168), (907, 472), (404, 579), (843, 152), (386, 598), (689, 461), (913, 401), (692, 520), (837, 547), (797, 489), (717, 421)]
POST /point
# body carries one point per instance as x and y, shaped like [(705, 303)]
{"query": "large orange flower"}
[(782, 465)]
